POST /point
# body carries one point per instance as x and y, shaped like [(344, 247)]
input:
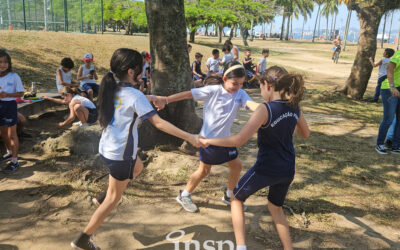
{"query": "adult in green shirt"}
[(390, 92)]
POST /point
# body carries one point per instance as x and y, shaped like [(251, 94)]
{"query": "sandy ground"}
[(42, 207)]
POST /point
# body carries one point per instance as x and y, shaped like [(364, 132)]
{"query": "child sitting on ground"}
[(227, 58), (212, 63), (87, 75), (64, 74), (249, 66), (382, 74), (196, 68), (79, 106), (262, 64), (145, 73)]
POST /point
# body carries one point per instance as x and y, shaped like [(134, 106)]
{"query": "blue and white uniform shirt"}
[(119, 139), (220, 109), (11, 83)]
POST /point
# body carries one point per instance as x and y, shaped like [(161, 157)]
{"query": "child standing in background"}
[(87, 75), (262, 64), (10, 88), (382, 74)]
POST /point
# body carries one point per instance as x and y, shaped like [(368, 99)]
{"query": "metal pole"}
[(23, 8), (35, 15), (65, 16), (81, 18), (102, 17), (46, 19)]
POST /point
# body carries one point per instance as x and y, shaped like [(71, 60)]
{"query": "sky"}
[(340, 21)]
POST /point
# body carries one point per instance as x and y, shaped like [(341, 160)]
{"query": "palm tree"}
[(383, 31), (330, 8), (319, 2)]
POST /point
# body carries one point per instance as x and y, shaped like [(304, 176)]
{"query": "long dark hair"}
[(121, 61), (4, 53), (291, 84)]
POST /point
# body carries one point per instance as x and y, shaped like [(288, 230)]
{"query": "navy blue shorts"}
[(214, 155), (251, 182), (91, 85), (8, 113), (250, 73), (120, 170), (92, 117)]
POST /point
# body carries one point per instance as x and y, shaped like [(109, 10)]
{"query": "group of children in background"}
[(215, 64)]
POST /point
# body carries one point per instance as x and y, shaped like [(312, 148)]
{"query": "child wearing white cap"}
[(87, 75)]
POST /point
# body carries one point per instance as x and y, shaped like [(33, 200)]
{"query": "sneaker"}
[(225, 199), (395, 151), (388, 144), (187, 203), (83, 242), (11, 168), (6, 157), (77, 123), (84, 125), (99, 199), (381, 150)]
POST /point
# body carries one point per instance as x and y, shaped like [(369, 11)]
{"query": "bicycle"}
[(336, 55)]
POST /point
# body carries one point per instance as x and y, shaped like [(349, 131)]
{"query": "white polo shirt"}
[(213, 64), (11, 83), (119, 139), (263, 65), (225, 60), (220, 109)]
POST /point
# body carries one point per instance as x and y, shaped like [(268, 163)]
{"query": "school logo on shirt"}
[(117, 102)]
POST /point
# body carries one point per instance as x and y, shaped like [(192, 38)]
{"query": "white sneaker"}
[(84, 125), (77, 123)]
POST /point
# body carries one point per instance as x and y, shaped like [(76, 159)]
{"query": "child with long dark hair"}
[(10, 88), (276, 121), (120, 108), (221, 105)]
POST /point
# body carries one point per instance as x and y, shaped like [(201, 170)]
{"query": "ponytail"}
[(121, 61), (293, 85), (108, 87)]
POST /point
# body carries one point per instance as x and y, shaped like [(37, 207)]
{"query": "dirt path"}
[(45, 205)]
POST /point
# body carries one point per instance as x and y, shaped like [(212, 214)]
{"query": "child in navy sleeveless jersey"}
[(221, 105), (275, 121), (120, 107), (10, 88)]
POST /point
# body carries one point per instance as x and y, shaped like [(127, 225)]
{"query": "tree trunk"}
[(319, 26), (192, 35), (326, 32), (287, 28), (170, 69), (390, 27), (334, 26), (231, 33), (244, 32), (302, 29), (9, 13), (283, 26), (370, 17), (383, 31), (346, 32), (206, 32), (270, 31), (235, 31), (315, 26), (251, 29), (220, 30), (291, 28)]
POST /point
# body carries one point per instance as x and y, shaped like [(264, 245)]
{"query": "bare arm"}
[(73, 84), (235, 54), (194, 70), (252, 105), (302, 127), (95, 75), (71, 117), (167, 127), (258, 118), (244, 61), (375, 64), (180, 96), (80, 77), (390, 75), (56, 100)]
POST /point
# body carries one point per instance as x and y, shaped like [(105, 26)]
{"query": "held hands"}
[(195, 140), (204, 142), (159, 102)]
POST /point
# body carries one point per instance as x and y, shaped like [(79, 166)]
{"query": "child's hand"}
[(204, 142), (159, 102), (44, 97), (194, 140), (61, 124), (371, 59)]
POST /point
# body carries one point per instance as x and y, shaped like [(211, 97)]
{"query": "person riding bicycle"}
[(338, 46)]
